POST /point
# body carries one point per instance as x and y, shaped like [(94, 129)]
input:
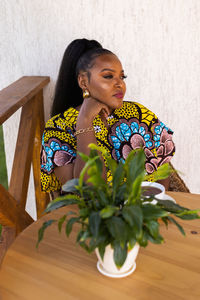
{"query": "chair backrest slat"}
[(27, 92)]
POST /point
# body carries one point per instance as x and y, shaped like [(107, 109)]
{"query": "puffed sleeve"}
[(138, 127), (58, 149), (163, 149)]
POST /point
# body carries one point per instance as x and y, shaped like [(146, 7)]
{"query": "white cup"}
[(157, 186)]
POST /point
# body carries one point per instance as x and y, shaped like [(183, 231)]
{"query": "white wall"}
[(158, 42)]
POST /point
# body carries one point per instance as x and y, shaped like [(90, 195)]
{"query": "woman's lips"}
[(119, 95)]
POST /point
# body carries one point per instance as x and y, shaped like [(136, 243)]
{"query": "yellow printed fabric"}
[(130, 127)]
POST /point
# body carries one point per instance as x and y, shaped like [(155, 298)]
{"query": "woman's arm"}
[(89, 110), (64, 173)]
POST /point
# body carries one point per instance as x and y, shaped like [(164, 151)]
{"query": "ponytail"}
[(67, 91)]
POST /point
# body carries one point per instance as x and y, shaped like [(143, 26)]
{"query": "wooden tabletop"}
[(60, 269)]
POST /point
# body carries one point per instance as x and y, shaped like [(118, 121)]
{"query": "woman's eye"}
[(123, 77), (108, 76), (111, 76)]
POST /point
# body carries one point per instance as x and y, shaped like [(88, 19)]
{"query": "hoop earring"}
[(86, 94)]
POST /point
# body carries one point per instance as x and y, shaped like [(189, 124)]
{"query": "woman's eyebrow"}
[(107, 69)]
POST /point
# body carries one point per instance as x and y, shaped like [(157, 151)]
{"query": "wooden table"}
[(60, 269)]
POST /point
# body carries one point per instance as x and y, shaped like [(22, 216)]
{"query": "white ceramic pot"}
[(107, 265)]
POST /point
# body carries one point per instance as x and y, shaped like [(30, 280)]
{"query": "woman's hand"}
[(89, 110)]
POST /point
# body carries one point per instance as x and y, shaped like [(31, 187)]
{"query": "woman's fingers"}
[(97, 106), (90, 108), (105, 111)]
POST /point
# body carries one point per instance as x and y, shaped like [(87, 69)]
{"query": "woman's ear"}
[(83, 80)]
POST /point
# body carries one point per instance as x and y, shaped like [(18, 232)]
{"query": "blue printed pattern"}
[(49, 152), (123, 133), (158, 130)]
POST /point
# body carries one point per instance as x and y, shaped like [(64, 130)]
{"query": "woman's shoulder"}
[(135, 104), (135, 109), (67, 118)]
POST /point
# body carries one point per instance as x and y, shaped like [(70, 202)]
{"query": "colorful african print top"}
[(130, 127)]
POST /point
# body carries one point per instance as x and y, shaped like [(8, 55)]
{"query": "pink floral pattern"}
[(55, 153), (156, 142)]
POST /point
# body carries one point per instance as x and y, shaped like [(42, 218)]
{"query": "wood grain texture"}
[(8, 236), (19, 93), (23, 153), (60, 269), (26, 92), (11, 213), (42, 199)]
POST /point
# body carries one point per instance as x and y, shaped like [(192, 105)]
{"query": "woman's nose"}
[(118, 82)]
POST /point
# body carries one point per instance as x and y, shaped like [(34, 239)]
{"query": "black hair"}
[(79, 56)]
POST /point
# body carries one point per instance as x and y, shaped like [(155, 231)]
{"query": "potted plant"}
[(116, 218)]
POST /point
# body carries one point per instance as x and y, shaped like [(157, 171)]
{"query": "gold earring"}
[(86, 94)]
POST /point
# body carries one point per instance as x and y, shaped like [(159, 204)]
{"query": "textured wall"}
[(158, 42)]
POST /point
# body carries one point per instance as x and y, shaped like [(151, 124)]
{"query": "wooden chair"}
[(27, 93), (176, 183)]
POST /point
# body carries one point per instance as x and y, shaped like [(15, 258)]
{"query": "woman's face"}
[(106, 81)]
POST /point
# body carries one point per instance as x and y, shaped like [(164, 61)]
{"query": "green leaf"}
[(92, 170), (93, 146), (84, 212), (70, 186), (178, 225), (161, 173), (151, 211), (79, 235), (153, 227), (1, 227), (112, 165), (165, 221), (84, 246), (85, 235), (158, 240), (100, 240), (136, 188), (180, 211), (133, 215), (143, 240), (96, 180), (70, 224), (170, 206), (60, 222), (135, 166), (92, 244), (129, 158), (118, 178), (99, 166), (131, 243), (117, 228), (83, 156), (101, 249), (103, 236), (120, 254), (93, 153), (52, 206), (88, 164), (62, 201), (188, 215), (94, 223), (42, 230), (103, 198), (121, 197), (108, 211)]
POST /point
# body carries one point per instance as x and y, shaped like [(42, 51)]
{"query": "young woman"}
[(88, 108)]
